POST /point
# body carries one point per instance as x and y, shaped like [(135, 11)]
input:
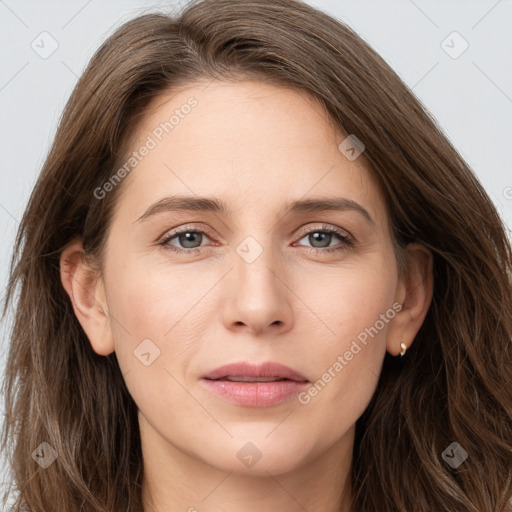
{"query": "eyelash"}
[(346, 239)]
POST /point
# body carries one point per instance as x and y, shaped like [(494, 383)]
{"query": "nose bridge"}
[(257, 263)]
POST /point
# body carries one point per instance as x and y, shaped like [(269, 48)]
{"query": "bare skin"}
[(256, 147)]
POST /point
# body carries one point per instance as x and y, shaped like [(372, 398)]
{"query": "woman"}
[(254, 274)]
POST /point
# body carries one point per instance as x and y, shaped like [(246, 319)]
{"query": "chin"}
[(257, 456)]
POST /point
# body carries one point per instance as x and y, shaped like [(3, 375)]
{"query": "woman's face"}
[(262, 273)]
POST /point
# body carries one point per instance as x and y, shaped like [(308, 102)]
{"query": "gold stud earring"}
[(403, 346)]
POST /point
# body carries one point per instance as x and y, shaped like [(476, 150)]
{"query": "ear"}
[(414, 293), (85, 288)]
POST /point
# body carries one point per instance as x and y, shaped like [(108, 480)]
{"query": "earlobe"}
[(85, 288), (415, 296)]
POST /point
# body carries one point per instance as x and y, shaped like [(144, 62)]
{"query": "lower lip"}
[(256, 394)]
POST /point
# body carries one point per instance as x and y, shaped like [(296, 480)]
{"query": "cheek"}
[(167, 306), (346, 301), (154, 333), (354, 309)]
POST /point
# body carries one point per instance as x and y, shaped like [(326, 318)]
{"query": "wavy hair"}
[(454, 385)]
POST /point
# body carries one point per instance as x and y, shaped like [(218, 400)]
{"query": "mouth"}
[(252, 385), (242, 378), (248, 372)]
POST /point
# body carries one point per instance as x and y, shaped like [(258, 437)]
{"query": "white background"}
[(470, 96)]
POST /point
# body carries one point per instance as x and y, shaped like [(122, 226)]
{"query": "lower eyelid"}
[(343, 242)]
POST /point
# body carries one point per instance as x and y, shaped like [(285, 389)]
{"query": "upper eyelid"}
[(324, 227)]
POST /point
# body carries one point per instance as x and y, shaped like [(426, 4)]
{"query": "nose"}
[(258, 295)]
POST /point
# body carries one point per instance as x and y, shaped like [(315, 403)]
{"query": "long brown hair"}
[(453, 384)]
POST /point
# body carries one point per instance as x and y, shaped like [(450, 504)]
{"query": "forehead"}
[(249, 143)]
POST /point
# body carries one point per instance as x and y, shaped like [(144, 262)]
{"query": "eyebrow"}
[(214, 205)]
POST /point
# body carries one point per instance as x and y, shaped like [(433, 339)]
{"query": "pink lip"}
[(253, 393)]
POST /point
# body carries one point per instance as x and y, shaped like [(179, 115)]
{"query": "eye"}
[(189, 239), (322, 238)]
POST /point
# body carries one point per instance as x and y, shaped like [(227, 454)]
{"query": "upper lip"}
[(248, 370)]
